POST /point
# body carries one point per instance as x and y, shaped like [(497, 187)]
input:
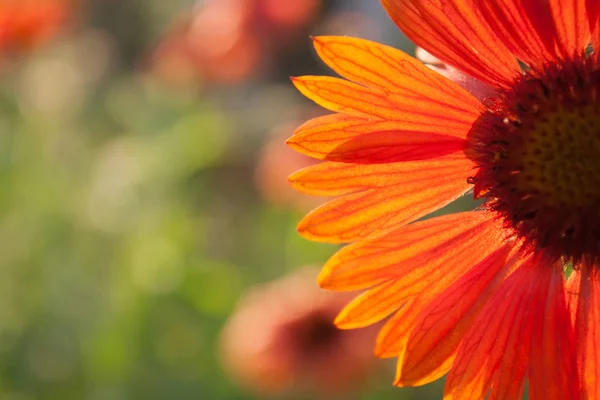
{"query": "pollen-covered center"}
[(559, 157), (537, 149)]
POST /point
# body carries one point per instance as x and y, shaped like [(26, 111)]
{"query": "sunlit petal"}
[(455, 32)]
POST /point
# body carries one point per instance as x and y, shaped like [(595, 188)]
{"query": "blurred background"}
[(147, 233)]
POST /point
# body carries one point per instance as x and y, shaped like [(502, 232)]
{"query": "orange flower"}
[(282, 338), (479, 295), (24, 24)]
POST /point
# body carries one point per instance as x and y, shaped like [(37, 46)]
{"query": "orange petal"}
[(371, 306), (352, 139), (393, 337), (345, 97), (441, 326), (572, 288), (588, 331), (572, 26), (411, 251), (324, 120), (511, 21), (334, 179), (553, 373), (354, 126), (356, 100), (456, 33), (391, 340), (389, 195), (593, 7), (373, 142), (495, 352), (382, 67)]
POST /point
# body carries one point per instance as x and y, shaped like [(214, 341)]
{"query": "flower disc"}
[(537, 148)]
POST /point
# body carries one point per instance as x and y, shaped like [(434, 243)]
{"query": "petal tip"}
[(380, 352), (299, 82), (304, 230), (291, 141), (309, 228), (294, 179), (317, 41), (398, 382), (324, 281), (341, 323)]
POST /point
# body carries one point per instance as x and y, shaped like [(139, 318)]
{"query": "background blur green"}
[(131, 218)]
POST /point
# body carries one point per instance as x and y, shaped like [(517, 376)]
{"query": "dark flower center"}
[(317, 331), (537, 149)]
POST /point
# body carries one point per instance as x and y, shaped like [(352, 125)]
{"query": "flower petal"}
[(334, 179), (393, 337), (345, 97), (593, 7), (512, 21), (474, 86), (352, 99), (587, 327), (383, 67), (416, 279), (441, 326), (572, 288), (495, 352), (387, 195), (553, 357), (372, 306), (456, 33), (412, 252), (572, 26), (363, 141), (405, 112), (323, 120), (391, 341), (355, 126)]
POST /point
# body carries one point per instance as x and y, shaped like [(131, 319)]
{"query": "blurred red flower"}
[(282, 338), (228, 41), (25, 24)]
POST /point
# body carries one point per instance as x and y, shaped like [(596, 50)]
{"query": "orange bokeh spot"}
[(290, 14), (25, 24)]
